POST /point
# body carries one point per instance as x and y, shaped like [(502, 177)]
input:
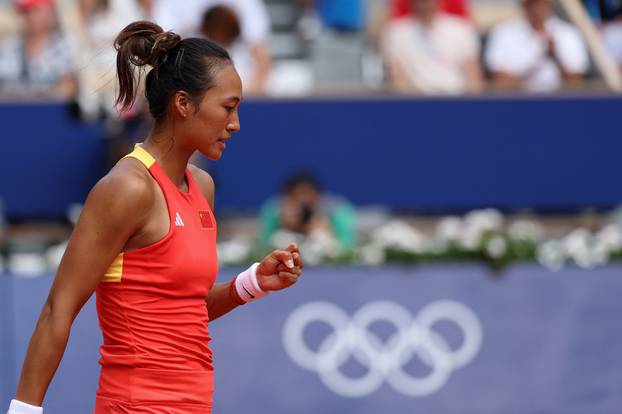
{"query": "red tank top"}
[(152, 310)]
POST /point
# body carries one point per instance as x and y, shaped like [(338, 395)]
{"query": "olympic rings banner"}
[(432, 339)]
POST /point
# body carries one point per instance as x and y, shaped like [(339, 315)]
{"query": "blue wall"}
[(427, 155), (548, 343)]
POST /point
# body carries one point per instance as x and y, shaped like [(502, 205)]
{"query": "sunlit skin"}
[(126, 210)]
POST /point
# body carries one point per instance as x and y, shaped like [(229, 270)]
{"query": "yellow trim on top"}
[(115, 271), (141, 155)]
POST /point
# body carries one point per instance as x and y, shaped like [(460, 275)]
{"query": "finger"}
[(292, 247), (290, 277), (298, 260), (283, 268), (284, 257), (295, 270)]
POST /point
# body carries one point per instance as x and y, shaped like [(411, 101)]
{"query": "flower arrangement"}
[(482, 235)]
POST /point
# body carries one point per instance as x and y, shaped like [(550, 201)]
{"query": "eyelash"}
[(229, 108)]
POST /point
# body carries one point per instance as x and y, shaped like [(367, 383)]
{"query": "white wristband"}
[(18, 407), (247, 287)]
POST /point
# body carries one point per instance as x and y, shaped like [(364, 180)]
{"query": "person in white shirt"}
[(250, 54), (539, 53), (432, 52), (612, 37)]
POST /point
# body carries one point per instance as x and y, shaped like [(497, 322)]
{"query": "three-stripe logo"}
[(178, 221)]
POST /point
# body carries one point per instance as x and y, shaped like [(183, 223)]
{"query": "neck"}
[(169, 156)]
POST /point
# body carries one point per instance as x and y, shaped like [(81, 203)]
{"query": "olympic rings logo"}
[(384, 360)]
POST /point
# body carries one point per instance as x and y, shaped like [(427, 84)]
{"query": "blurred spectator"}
[(538, 52), (103, 19), (460, 8), (39, 62), (222, 24), (304, 210), (251, 48), (432, 52), (612, 37)]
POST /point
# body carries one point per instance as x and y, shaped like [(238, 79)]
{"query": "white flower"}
[(526, 230), (471, 238), (476, 224), (234, 251), (496, 247), (551, 255), (581, 246), (449, 229), (281, 238), (610, 238), (372, 254), (54, 254), (28, 264), (401, 236), (484, 220)]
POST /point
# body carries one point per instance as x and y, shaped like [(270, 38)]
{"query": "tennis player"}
[(146, 242)]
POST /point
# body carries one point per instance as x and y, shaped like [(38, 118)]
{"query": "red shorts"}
[(154, 391)]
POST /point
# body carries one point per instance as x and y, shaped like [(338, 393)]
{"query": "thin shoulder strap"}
[(142, 155)]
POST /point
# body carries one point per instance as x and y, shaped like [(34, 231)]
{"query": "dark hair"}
[(301, 178), (189, 65), (220, 23)]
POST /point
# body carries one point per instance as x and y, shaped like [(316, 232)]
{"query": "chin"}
[(213, 155)]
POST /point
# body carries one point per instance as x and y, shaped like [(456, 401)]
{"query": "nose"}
[(234, 124)]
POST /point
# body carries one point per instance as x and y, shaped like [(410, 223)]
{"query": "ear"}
[(183, 104)]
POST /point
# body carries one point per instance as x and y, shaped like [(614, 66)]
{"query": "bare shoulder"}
[(126, 189), (205, 182)]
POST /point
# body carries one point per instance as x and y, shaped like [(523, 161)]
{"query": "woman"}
[(146, 242)]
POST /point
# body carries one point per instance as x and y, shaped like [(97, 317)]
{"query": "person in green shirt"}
[(303, 209)]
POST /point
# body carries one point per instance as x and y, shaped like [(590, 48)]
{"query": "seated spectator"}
[(539, 52), (39, 62), (254, 29), (103, 20), (222, 25), (432, 52), (304, 210), (612, 37)]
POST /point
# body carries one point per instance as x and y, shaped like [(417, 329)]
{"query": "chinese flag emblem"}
[(206, 219)]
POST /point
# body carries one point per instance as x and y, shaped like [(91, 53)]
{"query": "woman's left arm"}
[(279, 270)]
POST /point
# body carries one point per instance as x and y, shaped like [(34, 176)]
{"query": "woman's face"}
[(209, 127)]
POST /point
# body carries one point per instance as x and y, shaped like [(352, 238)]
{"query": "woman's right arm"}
[(116, 208)]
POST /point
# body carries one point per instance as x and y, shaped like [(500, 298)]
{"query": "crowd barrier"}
[(397, 340), (436, 155)]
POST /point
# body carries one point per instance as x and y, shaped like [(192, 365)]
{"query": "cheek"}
[(210, 122)]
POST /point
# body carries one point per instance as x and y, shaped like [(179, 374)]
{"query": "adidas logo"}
[(178, 221)]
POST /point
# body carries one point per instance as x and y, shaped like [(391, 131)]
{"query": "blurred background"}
[(447, 166)]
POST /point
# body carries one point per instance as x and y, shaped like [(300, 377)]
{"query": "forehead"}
[(227, 82)]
